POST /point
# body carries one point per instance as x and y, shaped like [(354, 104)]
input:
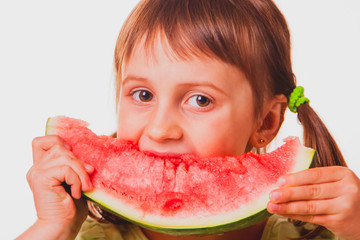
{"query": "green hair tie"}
[(296, 99)]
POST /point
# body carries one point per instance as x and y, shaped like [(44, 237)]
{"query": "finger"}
[(55, 179), (75, 164), (316, 219), (313, 207), (307, 192), (313, 176), (66, 174), (44, 143), (55, 151)]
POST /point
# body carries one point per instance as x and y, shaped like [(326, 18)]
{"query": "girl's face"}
[(170, 107)]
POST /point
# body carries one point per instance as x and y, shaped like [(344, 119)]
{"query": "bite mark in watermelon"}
[(184, 195)]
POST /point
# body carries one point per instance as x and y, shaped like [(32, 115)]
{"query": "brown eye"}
[(202, 101), (143, 96), (199, 101)]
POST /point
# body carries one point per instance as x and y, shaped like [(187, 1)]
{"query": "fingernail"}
[(67, 146), (89, 169), (280, 182), (273, 207), (275, 195), (90, 185)]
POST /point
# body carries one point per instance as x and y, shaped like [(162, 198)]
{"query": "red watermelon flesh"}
[(186, 192)]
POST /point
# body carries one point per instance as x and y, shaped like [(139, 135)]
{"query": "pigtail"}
[(102, 216), (327, 153), (318, 137)]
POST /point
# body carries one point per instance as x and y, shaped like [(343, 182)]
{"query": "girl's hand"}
[(327, 196), (56, 180)]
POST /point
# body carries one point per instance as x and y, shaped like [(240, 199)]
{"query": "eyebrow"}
[(133, 77), (203, 83), (193, 83)]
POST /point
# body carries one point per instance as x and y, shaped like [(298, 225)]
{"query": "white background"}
[(56, 59)]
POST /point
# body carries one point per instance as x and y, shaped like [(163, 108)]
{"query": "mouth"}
[(163, 154)]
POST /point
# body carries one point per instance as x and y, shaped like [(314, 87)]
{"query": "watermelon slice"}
[(184, 195)]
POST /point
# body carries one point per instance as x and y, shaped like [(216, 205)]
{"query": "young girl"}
[(212, 78)]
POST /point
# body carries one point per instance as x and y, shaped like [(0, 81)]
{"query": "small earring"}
[(262, 140)]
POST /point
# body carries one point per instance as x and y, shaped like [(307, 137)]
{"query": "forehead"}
[(150, 53), (179, 50)]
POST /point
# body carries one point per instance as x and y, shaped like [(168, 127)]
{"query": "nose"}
[(163, 125)]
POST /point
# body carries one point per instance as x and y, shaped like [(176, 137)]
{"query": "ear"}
[(270, 121)]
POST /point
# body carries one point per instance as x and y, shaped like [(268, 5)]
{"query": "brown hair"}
[(250, 34)]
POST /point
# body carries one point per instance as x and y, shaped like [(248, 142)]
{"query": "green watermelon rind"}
[(248, 216), (49, 129), (190, 230)]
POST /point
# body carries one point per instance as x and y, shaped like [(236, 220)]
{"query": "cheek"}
[(218, 139), (226, 133), (129, 126)]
